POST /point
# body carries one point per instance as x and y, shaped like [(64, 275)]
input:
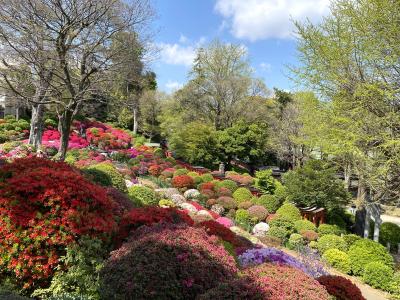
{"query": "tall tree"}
[(352, 59)]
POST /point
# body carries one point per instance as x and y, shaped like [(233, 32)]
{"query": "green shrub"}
[(159, 153), (207, 177), (196, 177), (315, 184), (270, 202), (289, 211), (350, 239), (229, 184), (337, 259), (182, 171), (395, 286), (365, 251), (331, 241), (278, 232), (282, 228), (142, 195), (242, 194), (80, 279), (97, 176), (265, 182), (117, 179), (296, 241), (23, 124), (51, 122), (242, 218), (302, 225), (324, 229), (378, 275), (389, 233)]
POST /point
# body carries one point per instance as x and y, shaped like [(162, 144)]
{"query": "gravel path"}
[(386, 218)]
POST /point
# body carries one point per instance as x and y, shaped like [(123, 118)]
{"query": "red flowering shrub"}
[(238, 288), (258, 212), (284, 282), (206, 186), (121, 200), (224, 192), (107, 137), (148, 216), (341, 288), (166, 262), (227, 202), (208, 193), (224, 233), (155, 170), (182, 181), (45, 206)]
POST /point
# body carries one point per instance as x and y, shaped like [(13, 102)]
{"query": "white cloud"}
[(262, 19), (172, 86), (183, 39), (265, 67), (176, 54)]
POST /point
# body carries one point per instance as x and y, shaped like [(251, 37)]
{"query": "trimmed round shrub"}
[(242, 194), (331, 241), (309, 235), (166, 262), (245, 205), (302, 225), (46, 206), (378, 275), (229, 184), (182, 181), (142, 195), (295, 241), (242, 217), (97, 177), (329, 229), (207, 177), (179, 172), (350, 239), (337, 259), (166, 203), (196, 177), (227, 202), (281, 227), (107, 169), (365, 251), (284, 282), (224, 192), (238, 288), (389, 233), (257, 213), (206, 186), (289, 211), (270, 202), (341, 288)]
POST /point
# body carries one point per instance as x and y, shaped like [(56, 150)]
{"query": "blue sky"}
[(262, 26)]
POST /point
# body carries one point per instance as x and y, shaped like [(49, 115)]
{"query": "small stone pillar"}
[(376, 229), (222, 168)]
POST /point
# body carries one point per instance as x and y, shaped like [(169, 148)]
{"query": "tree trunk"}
[(65, 121), (135, 120), (347, 176), (17, 113), (37, 125)]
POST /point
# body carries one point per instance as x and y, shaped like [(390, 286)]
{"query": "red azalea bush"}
[(241, 179), (284, 282), (166, 262), (238, 288), (309, 235), (148, 216), (224, 192), (121, 200), (108, 138), (206, 186), (182, 181), (155, 170), (44, 207), (340, 287), (224, 233)]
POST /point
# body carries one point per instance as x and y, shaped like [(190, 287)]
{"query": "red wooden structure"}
[(314, 214)]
